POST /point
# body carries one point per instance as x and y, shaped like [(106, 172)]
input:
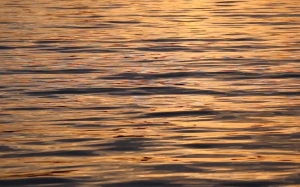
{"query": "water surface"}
[(141, 93)]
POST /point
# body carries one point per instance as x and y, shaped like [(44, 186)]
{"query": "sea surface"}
[(183, 93)]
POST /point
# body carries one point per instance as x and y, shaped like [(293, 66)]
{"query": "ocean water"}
[(183, 93)]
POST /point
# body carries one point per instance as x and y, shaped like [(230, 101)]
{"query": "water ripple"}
[(143, 93)]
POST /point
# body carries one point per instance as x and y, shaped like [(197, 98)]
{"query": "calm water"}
[(182, 93)]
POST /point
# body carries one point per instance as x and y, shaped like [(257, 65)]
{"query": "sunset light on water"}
[(182, 93)]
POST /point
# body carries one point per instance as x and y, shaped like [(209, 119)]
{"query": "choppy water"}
[(142, 93)]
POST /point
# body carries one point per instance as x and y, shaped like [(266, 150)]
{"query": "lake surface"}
[(182, 93)]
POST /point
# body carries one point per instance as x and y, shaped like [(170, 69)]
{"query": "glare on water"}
[(142, 93)]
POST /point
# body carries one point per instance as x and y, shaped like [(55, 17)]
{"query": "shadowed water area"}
[(181, 93)]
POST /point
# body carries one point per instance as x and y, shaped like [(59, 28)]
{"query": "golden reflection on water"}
[(114, 92)]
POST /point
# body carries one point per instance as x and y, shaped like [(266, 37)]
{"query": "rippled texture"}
[(150, 93)]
